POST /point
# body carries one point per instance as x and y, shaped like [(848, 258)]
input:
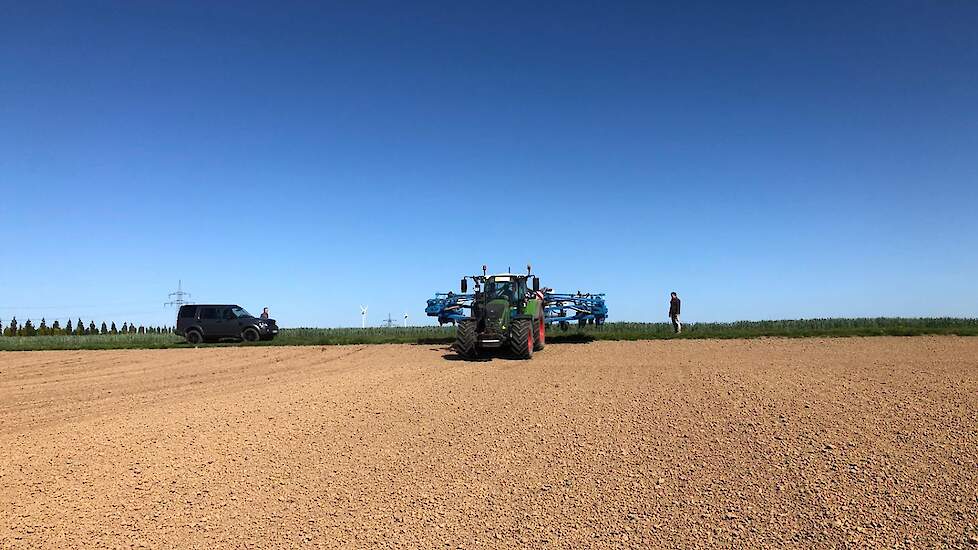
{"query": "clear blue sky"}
[(772, 160)]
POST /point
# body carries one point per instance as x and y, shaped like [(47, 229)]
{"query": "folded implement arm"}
[(449, 307), (559, 308), (583, 308)]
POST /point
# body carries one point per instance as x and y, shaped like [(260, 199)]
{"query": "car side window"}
[(208, 313), (227, 314)]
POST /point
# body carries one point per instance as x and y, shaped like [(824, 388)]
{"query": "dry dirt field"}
[(799, 443)]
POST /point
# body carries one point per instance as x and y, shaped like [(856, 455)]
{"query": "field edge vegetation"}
[(800, 328)]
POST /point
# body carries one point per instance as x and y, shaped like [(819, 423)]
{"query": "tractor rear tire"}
[(465, 339), (539, 335), (521, 338)]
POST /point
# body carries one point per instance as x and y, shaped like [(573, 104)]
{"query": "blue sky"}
[(772, 160)]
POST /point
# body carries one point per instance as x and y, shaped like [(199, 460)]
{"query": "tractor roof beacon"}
[(510, 311)]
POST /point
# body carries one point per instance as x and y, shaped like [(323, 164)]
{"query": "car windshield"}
[(240, 312)]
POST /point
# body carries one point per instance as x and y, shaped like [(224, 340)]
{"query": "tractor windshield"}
[(500, 290)]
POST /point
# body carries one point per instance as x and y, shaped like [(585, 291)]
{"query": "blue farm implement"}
[(562, 309), (583, 309)]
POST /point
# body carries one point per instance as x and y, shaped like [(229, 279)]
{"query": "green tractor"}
[(507, 312)]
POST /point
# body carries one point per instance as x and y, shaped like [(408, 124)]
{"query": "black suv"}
[(207, 322)]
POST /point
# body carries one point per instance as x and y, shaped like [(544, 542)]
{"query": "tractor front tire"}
[(521, 338), (539, 334), (465, 339)]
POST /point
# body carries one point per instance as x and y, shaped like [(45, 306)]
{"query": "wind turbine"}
[(405, 320), (363, 316)]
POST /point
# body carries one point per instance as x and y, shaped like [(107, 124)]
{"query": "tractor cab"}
[(511, 288), (504, 286), (497, 301)]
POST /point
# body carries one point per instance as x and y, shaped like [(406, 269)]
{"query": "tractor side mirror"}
[(536, 284), (465, 286)]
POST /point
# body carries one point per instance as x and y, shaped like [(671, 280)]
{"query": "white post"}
[(405, 320)]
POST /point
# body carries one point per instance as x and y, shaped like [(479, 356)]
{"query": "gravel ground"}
[(802, 443)]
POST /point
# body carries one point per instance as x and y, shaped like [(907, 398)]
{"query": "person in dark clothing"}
[(674, 306), (264, 313)]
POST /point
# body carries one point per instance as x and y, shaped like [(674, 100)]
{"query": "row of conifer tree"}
[(77, 329)]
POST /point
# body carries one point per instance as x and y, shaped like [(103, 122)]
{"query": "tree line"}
[(77, 329)]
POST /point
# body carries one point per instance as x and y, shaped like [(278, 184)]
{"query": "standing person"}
[(674, 306), (264, 314)]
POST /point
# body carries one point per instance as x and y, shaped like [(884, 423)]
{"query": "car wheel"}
[(250, 334), (194, 337)]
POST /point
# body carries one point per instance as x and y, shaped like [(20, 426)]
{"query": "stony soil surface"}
[(801, 443)]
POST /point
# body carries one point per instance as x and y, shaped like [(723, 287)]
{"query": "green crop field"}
[(445, 335)]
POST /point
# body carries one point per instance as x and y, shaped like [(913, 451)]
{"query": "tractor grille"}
[(494, 311), (494, 314)]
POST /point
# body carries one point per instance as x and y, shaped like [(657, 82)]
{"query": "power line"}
[(178, 297)]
